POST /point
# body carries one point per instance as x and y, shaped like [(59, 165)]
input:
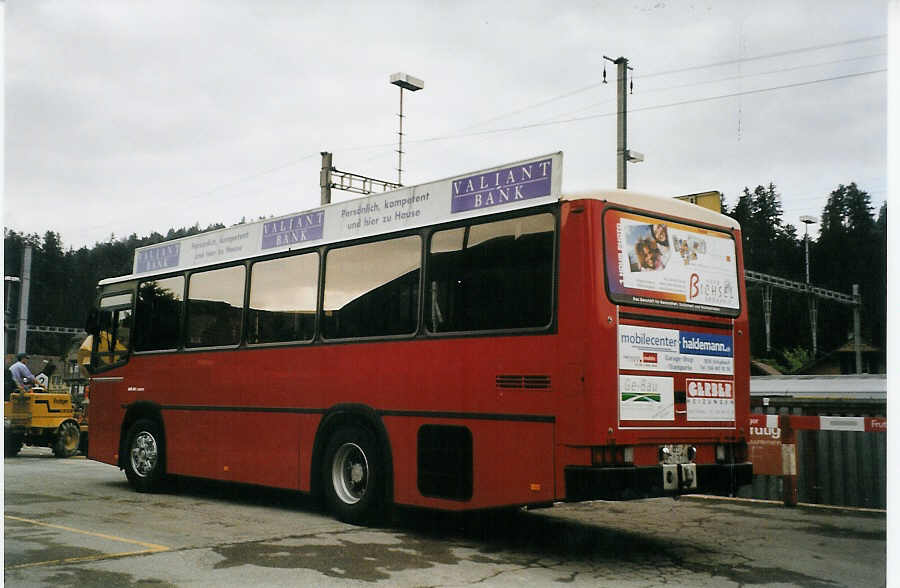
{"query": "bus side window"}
[(372, 289), (215, 307), (491, 276), (160, 305), (283, 294)]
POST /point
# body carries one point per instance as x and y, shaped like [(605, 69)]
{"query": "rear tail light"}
[(741, 452), (610, 455), (732, 452), (721, 453)]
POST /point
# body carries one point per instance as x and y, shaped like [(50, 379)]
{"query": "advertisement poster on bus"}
[(672, 350), (646, 398), (709, 400), (523, 184), (656, 262)]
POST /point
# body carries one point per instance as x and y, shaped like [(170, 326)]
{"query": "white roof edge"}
[(656, 203), (116, 279)]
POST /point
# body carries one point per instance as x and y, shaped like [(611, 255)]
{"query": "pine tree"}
[(849, 251)]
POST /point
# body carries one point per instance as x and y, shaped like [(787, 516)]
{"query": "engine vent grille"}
[(522, 382)]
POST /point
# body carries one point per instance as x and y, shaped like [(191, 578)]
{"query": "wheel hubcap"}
[(70, 436), (350, 473), (144, 454)]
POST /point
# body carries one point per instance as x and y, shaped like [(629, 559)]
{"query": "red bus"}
[(478, 342)]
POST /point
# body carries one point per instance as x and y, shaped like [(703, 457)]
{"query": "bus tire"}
[(145, 455), (353, 476), (67, 438)]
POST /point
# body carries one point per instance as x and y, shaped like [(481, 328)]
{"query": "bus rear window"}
[(665, 264)]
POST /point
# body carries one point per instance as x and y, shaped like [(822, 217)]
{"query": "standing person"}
[(21, 375)]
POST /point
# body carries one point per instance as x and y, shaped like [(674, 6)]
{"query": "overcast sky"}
[(132, 117)]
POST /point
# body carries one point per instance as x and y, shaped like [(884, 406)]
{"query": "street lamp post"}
[(404, 82), (813, 307), (807, 220)]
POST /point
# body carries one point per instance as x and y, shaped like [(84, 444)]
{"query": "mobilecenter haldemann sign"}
[(512, 186)]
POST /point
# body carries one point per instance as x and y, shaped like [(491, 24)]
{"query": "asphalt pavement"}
[(75, 522)]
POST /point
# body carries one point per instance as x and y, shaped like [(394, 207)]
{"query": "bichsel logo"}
[(711, 291), (648, 357), (710, 389)]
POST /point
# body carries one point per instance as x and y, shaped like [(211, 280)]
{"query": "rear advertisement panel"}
[(646, 398), (665, 264), (673, 350), (705, 361)]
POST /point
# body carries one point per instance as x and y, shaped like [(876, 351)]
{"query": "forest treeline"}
[(847, 246)]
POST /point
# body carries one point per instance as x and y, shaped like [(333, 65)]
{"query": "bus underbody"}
[(632, 482)]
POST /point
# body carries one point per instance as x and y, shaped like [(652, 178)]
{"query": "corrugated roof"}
[(858, 387)]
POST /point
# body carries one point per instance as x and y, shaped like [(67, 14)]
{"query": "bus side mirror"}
[(92, 325)]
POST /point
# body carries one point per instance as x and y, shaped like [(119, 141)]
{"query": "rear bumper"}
[(625, 483)]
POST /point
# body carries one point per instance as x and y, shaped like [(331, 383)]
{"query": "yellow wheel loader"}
[(44, 419)]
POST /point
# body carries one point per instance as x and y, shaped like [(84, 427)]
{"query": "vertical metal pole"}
[(767, 315), (806, 240), (813, 317), (856, 342), (788, 461), (621, 123), (24, 292), (325, 177), (400, 143)]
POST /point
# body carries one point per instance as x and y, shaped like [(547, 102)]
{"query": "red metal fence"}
[(838, 460)]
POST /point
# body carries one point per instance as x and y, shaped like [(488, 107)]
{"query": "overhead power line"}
[(558, 121), (654, 107), (742, 76), (765, 56), (680, 70)]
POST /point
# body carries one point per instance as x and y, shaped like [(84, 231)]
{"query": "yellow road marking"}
[(150, 547)]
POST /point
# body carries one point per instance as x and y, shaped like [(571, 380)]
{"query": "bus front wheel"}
[(352, 476), (145, 455)]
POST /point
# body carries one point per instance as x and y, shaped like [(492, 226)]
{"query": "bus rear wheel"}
[(353, 477), (145, 455)]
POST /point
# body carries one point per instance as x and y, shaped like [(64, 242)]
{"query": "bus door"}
[(110, 331)]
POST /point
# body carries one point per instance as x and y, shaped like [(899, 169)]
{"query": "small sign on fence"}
[(764, 445)]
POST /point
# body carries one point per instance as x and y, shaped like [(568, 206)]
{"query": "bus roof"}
[(664, 205), (518, 185)]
